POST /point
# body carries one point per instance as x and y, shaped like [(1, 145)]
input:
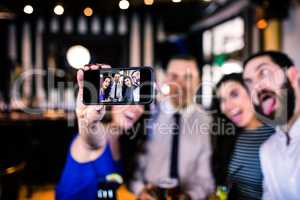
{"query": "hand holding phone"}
[(89, 112), (88, 117)]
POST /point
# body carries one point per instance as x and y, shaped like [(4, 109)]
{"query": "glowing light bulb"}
[(165, 89), (88, 11), (124, 4), (28, 9), (262, 24), (148, 2), (59, 10), (78, 56)]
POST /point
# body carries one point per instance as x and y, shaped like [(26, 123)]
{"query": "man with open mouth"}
[(273, 83)]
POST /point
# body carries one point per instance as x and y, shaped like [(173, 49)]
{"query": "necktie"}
[(175, 145), (116, 86)]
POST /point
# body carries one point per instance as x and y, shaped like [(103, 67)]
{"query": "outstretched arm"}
[(91, 140)]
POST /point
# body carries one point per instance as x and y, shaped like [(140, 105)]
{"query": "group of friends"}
[(119, 88), (255, 156)]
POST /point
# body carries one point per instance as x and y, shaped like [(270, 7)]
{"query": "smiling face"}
[(236, 105), (106, 83), (270, 89), (182, 76), (116, 77), (127, 82), (136, 78), (124, 116)]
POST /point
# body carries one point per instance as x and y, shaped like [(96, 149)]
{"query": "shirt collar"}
[(294, 131)]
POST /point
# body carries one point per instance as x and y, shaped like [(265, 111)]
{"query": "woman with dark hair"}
[(105, 89), (99, 152), (128, 89), (236, 146)]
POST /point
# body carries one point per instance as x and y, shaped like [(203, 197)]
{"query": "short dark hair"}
[(281, 59), (186, 57), (183, 57), (236, 77), (134, 72), (127, 77)]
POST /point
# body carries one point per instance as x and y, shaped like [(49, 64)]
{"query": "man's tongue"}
[(268, 105)]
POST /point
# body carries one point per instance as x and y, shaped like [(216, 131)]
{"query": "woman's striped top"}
[(244, 172)]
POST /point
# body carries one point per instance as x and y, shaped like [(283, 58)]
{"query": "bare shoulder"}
[(81, 153)]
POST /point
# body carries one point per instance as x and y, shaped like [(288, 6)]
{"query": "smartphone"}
[(119, 86)]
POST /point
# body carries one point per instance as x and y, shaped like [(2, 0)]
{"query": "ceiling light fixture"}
[(262, 24), (176, 1), (124, 4), (78, 56), (88, 11), (28, 9), (148, 2), (58, 9)]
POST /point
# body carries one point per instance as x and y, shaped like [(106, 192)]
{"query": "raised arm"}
[(91, 140)]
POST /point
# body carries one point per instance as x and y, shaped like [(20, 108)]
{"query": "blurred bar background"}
[(42, 43)]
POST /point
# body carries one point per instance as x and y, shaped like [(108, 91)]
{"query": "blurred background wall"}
[(291, 30), (39, 48)]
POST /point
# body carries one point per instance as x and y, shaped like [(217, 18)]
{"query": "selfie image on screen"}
[(119, 86)]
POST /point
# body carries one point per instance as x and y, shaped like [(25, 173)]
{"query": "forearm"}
[(92, 139)]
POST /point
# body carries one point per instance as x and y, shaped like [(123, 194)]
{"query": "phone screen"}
[(119, 86)]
